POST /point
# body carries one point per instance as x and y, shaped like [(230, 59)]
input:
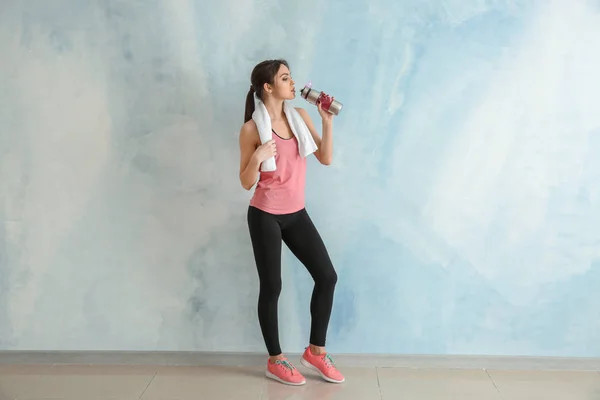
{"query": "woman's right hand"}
[(265, 151)]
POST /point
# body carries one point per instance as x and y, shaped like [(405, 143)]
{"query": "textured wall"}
[(462, 210)]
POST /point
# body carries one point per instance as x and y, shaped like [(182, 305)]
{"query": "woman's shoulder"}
[(249, 129), (303, 113)]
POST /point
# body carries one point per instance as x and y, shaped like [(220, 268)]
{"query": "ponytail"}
[(249, 105), (263, 72)]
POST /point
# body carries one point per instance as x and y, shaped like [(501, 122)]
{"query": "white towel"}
[(306, 143)]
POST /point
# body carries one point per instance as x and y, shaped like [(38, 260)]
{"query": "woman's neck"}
[(275, 109)]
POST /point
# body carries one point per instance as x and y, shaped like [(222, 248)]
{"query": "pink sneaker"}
[(284, 372), (323, 364)]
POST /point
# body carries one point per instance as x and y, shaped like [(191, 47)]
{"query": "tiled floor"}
[(170, 383)]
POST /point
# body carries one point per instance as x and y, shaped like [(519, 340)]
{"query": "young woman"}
[(276, 213)]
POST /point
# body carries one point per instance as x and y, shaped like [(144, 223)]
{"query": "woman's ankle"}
[(316, 350), (272, 359)]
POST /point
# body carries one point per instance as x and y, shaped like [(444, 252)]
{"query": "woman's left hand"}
[(325, 115)]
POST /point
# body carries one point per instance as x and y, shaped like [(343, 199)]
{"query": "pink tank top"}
[(282, 191)]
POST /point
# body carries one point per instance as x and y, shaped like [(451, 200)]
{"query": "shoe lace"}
[(328, 361), (286, 364)]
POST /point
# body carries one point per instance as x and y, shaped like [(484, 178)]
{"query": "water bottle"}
[(328, 103)]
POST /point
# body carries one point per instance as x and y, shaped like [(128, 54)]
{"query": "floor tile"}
[(547, 385), (79, 382), (222, 383), (436, 384), (18, 381)]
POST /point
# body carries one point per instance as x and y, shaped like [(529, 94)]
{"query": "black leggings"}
[(301, 237)]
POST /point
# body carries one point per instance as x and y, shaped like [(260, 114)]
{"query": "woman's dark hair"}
[(262, 73)]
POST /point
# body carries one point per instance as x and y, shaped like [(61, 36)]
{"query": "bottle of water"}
[(328, 103)]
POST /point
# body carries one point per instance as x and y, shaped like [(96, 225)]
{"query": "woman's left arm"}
[(324, 151)]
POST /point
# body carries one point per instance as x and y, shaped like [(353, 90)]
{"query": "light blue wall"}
[(462, 210)]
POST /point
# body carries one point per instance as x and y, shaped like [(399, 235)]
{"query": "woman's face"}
[(283, 87)]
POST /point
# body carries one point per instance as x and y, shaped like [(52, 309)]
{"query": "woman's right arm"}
[(251, 157)]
